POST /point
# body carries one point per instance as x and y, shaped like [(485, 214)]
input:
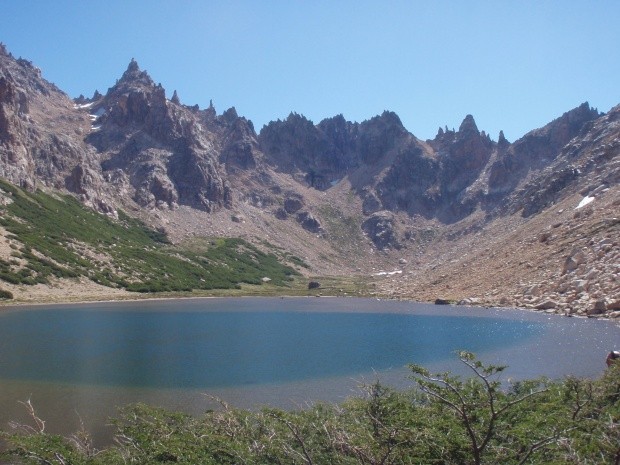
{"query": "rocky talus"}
[(588, 283), (565, 259)]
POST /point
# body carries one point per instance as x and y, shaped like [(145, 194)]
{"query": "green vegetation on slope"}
[(447, 420), (344, 230), (59, 237)]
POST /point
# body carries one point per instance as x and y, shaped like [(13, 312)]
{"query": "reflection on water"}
[(283, 352)]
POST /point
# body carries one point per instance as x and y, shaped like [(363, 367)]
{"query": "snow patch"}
[(388, 273), (82, 106), (100, 112), (585, 201)]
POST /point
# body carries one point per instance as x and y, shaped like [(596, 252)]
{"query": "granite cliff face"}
[(133, 144), (537, 149), (160, 152), (446, 178), (317, 155), (345, 195), (42, 136)]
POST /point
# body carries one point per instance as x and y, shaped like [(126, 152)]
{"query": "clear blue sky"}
[(514, 65)]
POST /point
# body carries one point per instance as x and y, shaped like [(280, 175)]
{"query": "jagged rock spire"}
[(133, 66), (210, 112), (468, 125), (134, 74), (175, 98), (230, 115), (502, 141)]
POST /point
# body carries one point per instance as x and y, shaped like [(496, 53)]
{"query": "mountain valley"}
[(532, 223)]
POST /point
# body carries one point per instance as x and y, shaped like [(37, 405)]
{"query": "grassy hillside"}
[(57, 236)]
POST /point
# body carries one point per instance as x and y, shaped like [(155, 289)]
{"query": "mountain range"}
[(461, 217)]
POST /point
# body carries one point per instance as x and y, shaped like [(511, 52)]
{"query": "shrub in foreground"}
[(445, 419)]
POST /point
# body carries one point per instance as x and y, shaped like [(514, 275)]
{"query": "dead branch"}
[(39, 424)]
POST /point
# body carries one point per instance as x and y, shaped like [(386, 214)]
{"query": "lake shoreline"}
[(134, 299), (70, 293), (54, 304)]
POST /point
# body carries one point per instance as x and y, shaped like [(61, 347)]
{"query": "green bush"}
[(137, 258), (5, 294), (446, 420)]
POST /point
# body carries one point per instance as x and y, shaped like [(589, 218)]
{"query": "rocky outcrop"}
[(321, 155), (90, 187), (380, 229), (171, 155), (411, 182), (462, 155), (438, 183), (371, 203), (41, 136), (317, 155), (537, 149), (240, 146), (379, 135), (309, 222), (584, 155), (293, 204)]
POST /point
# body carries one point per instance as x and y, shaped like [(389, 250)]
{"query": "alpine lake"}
[(78, 363)]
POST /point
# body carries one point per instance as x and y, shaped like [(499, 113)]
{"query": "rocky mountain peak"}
[(230, 115), (134, 76), (562, 129), (209, 114), (379, 135), (583, 111), (388, 119), (133, 99), (164, 154), (133, 67), (468, 126), (538, 149), (337, 120)]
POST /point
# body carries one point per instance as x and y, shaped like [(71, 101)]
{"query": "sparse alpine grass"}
[(56, 236)]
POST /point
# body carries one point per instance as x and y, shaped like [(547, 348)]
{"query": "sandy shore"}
[(62, 291)]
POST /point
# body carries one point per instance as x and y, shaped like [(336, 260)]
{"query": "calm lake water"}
[(82, 361)]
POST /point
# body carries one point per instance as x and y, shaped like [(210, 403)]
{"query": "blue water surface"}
[(217, 343), (79, 363)]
